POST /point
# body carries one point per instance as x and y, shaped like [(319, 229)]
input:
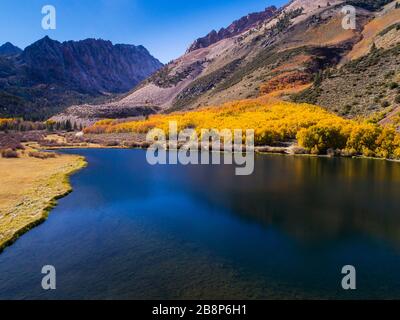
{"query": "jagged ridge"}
[(49, 74)]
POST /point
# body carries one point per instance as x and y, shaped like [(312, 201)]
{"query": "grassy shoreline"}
[(25, 211), (258, 150), (35, 207)]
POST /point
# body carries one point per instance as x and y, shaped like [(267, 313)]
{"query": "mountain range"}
[(49, 75), (300, 52)]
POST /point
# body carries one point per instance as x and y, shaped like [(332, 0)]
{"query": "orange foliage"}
[(284, 81)]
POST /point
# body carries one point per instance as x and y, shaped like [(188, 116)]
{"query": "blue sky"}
[(165, 27)]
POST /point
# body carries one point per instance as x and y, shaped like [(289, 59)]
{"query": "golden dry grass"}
[(29, 188), (56, 138), (323, 34), (371, 32)]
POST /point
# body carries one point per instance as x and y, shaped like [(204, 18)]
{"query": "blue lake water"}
[(134, 231)]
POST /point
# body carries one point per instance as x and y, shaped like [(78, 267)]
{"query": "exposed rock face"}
[(89, 65), (8, 49), (237, 27), (49, 73)]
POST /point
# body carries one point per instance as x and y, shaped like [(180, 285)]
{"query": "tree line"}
[(20, 124)]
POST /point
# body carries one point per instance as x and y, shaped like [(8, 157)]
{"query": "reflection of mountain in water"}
[(312, 199)]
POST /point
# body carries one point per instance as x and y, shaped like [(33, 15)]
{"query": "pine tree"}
[(68, 125)]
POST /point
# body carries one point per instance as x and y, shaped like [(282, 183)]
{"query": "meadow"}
[(29, 188)]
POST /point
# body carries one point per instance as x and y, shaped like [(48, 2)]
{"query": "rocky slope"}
[(368, 78), (282, 54), (8, 49), (49, 75), (237, 27)]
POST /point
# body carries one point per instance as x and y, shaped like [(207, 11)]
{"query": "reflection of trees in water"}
[(311, 198)]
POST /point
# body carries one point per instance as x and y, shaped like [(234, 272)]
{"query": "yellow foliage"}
[(6, 123), (273, 120), (363, 139), (387, 143), (328, 134), (352, 137)]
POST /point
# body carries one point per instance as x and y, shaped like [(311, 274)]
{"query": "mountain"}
[(8, 49), (300, 52), (49, 75), (237, 27)]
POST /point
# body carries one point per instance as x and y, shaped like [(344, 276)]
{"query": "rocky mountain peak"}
[(8, 49), (237, 27), (69, 72), (92, 65)]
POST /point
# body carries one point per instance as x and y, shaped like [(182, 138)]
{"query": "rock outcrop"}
[(237, 27)]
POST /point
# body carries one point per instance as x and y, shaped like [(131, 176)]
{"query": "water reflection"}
[(312, 199)]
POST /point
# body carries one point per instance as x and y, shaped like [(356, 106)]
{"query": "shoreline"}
[(56, 184), (138, 142), (79, 162), (309, 155)]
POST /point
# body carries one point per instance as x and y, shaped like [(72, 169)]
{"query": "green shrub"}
[(369, 4)]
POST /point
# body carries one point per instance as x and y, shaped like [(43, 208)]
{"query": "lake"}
[(134, 231)]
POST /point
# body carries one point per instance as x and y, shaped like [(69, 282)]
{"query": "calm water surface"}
[(133, 231)]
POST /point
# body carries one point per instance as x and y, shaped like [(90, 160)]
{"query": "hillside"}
[(274, 48), (282, 54), (48, 75), (368, 79), (299, 52), (362, 87)]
